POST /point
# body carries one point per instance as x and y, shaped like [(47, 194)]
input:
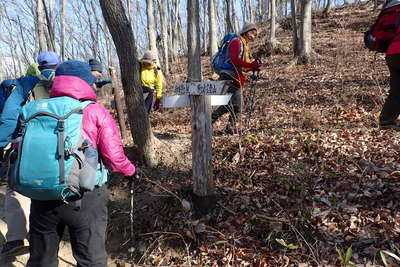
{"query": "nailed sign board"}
[(200, 88), (181, 101)]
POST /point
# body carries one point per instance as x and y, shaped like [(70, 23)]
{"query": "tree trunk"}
[(203, 188), (212, 28), (40, 26), (62, 28), (122, 34), (228, 18), (50, 28), (328, 7), (272, 35), (164, 30), (295, 36), (151, 27), (118, 102), (305, 32)]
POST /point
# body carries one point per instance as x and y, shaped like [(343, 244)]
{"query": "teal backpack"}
[(54, 161)]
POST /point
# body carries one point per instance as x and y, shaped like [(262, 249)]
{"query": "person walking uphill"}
[(239, 58), (16, 205), (85, 217), (391, 107), (151, 79), (97, 71)]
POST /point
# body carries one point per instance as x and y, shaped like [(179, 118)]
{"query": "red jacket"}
[(236, 57), (98, 124), (394, 47)]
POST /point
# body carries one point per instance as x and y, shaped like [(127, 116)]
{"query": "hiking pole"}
[(253, 80), (136, 176)]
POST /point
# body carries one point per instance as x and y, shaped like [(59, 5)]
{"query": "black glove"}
[(133, 177), (100, 84)]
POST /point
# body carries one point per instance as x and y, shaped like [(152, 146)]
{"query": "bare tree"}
[(62, 28), (228, 16), (295, 36), (272, 36), (122, 34), (306, 54), (40, 26), (151, 27), (164, 34), (328, 7), (212, 28), (51, 45)]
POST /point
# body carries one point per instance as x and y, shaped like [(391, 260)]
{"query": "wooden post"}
[(203, 188), (118, 103)]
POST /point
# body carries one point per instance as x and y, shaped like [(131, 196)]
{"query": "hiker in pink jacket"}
[(86, 218)]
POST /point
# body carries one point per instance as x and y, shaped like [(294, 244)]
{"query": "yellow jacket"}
[(152, 78)]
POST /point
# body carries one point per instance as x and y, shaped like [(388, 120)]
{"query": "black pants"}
[(87, 228), (391, 108), (148, 102), (235, 105)]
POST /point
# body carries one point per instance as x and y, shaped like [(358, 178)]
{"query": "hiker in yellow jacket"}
[(151, 79)]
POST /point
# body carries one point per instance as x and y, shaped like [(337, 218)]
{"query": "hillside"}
[(310, 167), (309, 173)]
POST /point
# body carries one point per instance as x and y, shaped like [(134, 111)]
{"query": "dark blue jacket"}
[(14, 103), (5, 92)]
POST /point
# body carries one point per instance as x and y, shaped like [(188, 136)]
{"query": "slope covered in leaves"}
[(308, 175)]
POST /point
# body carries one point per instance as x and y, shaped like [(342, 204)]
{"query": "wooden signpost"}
[(200, 96)]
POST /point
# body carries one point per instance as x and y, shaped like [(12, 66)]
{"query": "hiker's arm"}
[(12, 108), (234, 52), (110, 145), (159, 84), (9, 117)]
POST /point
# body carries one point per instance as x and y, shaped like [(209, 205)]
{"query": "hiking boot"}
[(389, 126), (12, 247)]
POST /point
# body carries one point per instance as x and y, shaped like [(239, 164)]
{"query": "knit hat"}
[(95, 65), (48, 58), (149, 57), (248, 27), (33, 70), (78, 69)]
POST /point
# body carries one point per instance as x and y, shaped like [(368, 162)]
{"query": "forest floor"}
[(309, 177)]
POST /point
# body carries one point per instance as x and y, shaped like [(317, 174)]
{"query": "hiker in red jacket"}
[(391, 108), (239, 56)]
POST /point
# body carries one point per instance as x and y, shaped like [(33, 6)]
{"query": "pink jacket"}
[(98, 124)]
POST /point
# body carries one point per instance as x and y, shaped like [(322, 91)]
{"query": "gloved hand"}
[(133, 177), (255, 65), (102, 83), (157, 104)]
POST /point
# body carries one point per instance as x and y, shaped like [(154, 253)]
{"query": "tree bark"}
[(272, 35), (151, 27), (62, 28), (212, 28), (305, 32), (40, 26), (118, 102), (122, 34), (164, 30), (50, 28), (295, 36), (328, 7), (228, 18)]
